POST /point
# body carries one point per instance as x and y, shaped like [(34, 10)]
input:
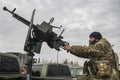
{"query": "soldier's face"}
[(92, 40)]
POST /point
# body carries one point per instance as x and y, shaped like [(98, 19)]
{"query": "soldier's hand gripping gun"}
[(39, 33)]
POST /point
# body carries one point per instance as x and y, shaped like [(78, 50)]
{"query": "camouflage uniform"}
[(100, 51)]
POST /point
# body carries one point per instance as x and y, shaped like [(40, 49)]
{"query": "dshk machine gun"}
[(36, 35)]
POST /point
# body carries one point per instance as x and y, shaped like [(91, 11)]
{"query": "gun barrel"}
[(18, 17), (26, 22), (21, 19)]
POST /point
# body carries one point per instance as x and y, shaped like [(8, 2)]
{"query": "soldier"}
[(103, 64)]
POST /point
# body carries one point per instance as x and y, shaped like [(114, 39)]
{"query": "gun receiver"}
[(41, 33)]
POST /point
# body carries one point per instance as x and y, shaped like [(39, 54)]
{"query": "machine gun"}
[(36, 35), (39, 33)]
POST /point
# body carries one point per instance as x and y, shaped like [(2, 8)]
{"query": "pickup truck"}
[(10, 69), (51, 71)]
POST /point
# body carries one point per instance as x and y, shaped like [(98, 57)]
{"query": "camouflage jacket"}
[(102, 50), (99, 49)]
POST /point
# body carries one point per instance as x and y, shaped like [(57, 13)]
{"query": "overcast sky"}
[(78, 17)]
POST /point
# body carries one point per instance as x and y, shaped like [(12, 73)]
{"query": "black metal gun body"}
[(52, 39)]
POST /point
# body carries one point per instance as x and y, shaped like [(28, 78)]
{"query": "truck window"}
[(66, 70), (36, 70), (9, 65), (58, 70)]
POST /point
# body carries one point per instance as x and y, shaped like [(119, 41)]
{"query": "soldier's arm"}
[(85, 51)]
